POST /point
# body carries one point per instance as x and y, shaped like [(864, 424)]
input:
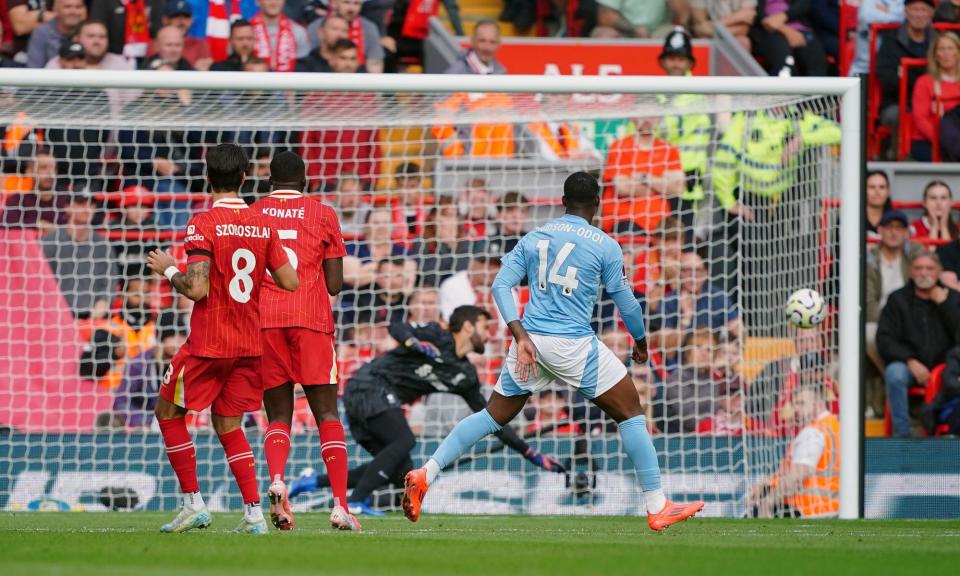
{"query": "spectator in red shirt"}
[(116, 15), (644, 171), (729, 417), (330, 152), (279, 39), (513, 217), (936, 93), (550, 414), (475, 205), (363, 33), (936, 222), (409, 212)]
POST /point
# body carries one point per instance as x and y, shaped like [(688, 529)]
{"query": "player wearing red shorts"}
[(229, 250), (297, 334)]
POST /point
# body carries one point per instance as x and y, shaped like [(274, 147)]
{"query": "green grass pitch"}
[(130, 544)]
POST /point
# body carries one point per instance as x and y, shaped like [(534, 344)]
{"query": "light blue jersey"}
[(566, 261)]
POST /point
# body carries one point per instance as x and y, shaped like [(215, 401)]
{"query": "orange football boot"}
[(671, 514), (280, 512), (413, 493)]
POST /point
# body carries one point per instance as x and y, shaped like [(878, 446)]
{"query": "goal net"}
[(723, 204)]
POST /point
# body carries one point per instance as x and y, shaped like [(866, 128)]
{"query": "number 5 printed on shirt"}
[(289, 235)]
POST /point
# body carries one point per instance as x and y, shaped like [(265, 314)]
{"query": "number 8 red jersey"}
[(241, 246), (310, 233)]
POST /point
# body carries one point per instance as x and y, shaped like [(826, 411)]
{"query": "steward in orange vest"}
[(807, 482)]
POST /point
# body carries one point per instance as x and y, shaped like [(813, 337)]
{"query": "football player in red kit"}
[(229, 248), (297, 333)]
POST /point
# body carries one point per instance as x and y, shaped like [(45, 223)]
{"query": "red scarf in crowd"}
[(416, 24), (356, 36), (283, 57), (137, 33), (218, 27)]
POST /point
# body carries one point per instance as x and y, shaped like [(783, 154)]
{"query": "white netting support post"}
[(851, 236)]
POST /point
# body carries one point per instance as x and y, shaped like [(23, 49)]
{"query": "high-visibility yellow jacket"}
[(750, 155), (691, 134)]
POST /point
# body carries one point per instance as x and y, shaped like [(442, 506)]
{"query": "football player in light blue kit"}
[(565, 261)]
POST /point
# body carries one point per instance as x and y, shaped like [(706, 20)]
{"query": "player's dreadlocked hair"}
[(463, 314)]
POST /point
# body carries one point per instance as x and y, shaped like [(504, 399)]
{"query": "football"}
[(805, 308)]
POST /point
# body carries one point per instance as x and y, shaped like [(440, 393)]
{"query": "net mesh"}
[(723, 205)]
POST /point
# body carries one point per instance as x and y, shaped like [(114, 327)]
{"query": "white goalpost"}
[(488, 155)]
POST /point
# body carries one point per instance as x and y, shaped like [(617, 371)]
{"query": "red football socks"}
[(276, 448), (180, 452), (240, 459), (333, 450)]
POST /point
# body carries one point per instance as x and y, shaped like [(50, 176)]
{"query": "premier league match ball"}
[(805, 308)]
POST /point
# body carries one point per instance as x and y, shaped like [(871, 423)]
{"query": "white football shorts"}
[(582, 363)]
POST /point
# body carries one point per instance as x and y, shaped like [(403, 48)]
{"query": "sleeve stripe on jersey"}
[(199, 252)]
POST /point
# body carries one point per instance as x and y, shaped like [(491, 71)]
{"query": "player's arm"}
[(512, 273), (286, 277), (333, 274), (620, 289), (193, 284), (477, 402), (333, 254), (418, 338)]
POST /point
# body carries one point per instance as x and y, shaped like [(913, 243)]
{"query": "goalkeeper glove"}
[(548, 463), (423, 347)]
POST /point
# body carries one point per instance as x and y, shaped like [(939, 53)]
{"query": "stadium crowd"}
[(101, 199)]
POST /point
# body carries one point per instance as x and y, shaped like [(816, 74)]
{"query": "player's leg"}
[(277, 380), (391, 431), (310, 481), (498, 413), (333, 450), (314, 361), (622, 403), (506, 402), (180, 386), (278, 403), (241, 393)]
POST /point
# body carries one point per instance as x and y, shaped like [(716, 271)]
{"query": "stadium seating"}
[(906, 120), (876, 134), (848, 31)]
